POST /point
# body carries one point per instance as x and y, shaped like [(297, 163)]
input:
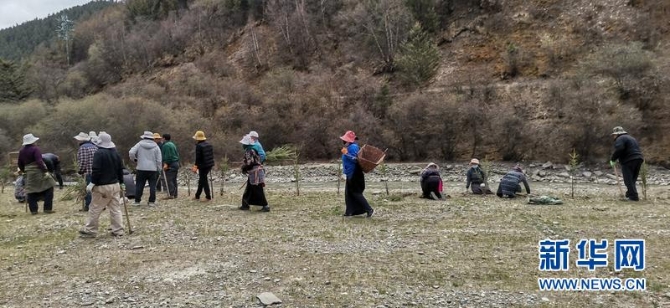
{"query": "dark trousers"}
[(141, 179), (171, 174), (431, 185), (87, 199), (630, 170), (353, 194), (47, 195), (203, 184), (499, 193)]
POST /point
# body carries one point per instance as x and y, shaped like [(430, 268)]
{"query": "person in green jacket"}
[(170, 165)]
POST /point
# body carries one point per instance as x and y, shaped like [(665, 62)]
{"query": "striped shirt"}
[(85, 157)]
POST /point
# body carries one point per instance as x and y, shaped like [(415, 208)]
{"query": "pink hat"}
[(349, 136)]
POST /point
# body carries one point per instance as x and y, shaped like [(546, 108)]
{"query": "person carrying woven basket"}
[(355, 184)]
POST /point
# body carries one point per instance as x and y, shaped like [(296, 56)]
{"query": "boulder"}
[(548, 165), (586, 174)]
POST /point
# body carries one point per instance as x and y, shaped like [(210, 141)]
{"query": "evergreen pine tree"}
[(13, 86), (419, 59)]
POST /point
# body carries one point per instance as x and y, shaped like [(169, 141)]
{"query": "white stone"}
[(268, 298)]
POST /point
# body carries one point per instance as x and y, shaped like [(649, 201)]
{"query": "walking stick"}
[(211, 184), (616, 173), (167, 185), (125, 207)]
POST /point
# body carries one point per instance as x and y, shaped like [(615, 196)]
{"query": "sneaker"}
[(205, 200), (49, 212), (33, 213), (168, 198), (372, 211), (151, 204), (265, 209), (433, 196), (136, 203), (244, 208), (86, 234), (116, 234)]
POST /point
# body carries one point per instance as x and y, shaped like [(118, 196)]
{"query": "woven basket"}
[(370, 157)]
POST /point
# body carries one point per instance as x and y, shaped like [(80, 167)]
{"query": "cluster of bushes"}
[(282, 68)]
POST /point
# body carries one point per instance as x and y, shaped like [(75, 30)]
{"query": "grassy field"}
[(468, 251)]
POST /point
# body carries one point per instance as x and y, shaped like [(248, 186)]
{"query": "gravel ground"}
[(468, 251)]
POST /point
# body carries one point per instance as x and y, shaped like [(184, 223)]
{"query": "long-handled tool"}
[(167, 185), (618, 184), (211, 184), (125, 207)]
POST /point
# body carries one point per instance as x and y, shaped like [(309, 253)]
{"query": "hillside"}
[(503, 79), (20, 41)]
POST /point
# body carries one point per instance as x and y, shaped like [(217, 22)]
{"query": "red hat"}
[(349, 136)]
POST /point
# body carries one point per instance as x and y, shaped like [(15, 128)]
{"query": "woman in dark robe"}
[(355, 185), (254, 193)]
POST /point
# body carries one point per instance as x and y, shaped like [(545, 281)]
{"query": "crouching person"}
[(431, 182), (106, 177), (510, 183), (19, 190), (476, 179)]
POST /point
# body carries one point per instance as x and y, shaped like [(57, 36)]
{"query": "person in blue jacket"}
[(355, 184), (256, 145)]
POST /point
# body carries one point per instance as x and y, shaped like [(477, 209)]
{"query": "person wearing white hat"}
[(105, 186), (94, 137), (38, 182), (476, 179), (147, 155), (627, 152), (85, 161), (256, 144), (254, 194)]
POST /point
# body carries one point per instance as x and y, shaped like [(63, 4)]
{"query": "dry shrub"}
[(75, 84), (590, 116), (215, 64), (17, 119), (125, 119)]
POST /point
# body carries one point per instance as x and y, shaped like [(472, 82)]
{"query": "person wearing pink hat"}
[(355, 184)]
